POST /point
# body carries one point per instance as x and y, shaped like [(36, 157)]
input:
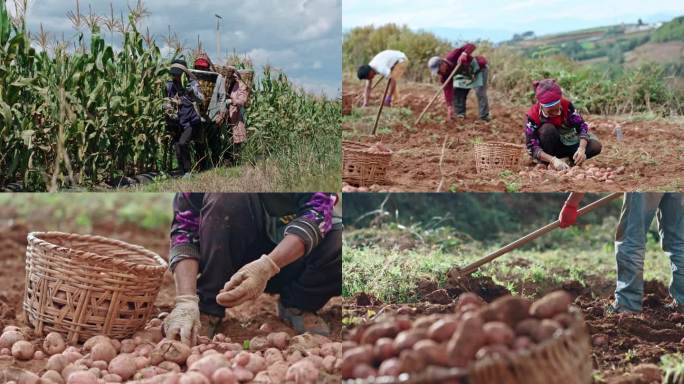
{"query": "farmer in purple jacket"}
[(185, 122), (242, 245), (472, 74)]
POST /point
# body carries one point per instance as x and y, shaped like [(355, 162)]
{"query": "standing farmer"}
[(229, 248), (186, 114), (555, 130), (638, 210), (472, 74), (390, 64)]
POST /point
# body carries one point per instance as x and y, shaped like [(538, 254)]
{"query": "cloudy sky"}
[(301, 37), (498, 20)]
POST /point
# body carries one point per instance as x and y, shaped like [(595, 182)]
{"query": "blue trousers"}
[(637, 214)]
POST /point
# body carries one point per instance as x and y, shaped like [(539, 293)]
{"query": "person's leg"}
[(200, 138), (390, 92), (671, 228), (231, 235), (482, 100), (182, 147), (311, 281), (460, 97), (637, 213), (549, 139), (593, 148)]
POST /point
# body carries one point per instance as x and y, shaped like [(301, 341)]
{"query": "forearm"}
[(583, 144), (543, 156), (287, 251), (574, 199), (185, 277), (366, 92)]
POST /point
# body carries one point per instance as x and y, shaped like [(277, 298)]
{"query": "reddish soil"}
[(642, 160), (620, 341), (241, 323)]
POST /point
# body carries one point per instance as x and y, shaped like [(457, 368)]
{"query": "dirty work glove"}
[(248, 283), (559, 164), (184, 321), (579, 156), (463, 58), (568, 215)]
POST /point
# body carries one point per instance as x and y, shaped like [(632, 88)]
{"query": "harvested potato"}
[(103, 351), (56, 363), (527, 327), (54, 343), (376, 331), (90, 343), (551, 305), (38, 355), (522, 342), (433, 352), (172, 350), (223, 375), (256, 364), (508, 309), (442, 329), (547, 328), (258, 343), (411, 361), (169, 366), (71, 355), (207, 365), (52, 376), (193, 378), (123, 365), (278, 340), (406, 339), (112, 378), (127, 346), (22, 350), (467, 340), (498, 332), (278, 371), (390, 367), (241, 374), (469, 298), (82, 377), (384, 349), (363, 371), (302, 372), (353, 357), (10, 337)]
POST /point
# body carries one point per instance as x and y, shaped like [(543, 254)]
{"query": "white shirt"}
[(383, 62)]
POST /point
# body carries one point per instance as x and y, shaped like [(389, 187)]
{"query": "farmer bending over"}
[(390, 64), (638, 210), (472, 73), (184, 113), (555, 129), (229, 248)]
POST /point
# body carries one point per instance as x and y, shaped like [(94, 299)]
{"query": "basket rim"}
[(39, 238), (361, 148), (499, 144)]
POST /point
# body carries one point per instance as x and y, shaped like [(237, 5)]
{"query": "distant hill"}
[(628, 44)]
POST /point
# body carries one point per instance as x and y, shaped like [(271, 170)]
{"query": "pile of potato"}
[(475, 331), (149, 358), (579, 173)]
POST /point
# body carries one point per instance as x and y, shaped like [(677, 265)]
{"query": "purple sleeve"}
[(532, 139), (185, 227), (314, 219), (575, 120)]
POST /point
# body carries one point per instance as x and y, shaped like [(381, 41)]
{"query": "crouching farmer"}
[(555, 130), (227, 249)]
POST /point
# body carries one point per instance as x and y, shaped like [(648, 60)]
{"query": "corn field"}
[(85, 116)]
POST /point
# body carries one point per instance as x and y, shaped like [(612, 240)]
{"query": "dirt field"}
[(242, 323), (621, 343), (648, 158)]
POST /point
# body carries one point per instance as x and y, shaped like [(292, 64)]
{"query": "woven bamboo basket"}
[(83, 285), (498, 156), (361, 167), (564, 359), (347, 103)]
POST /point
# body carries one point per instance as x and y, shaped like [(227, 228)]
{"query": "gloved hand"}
[(568, 215), (579, 156), (559, 164), (450, 113), (463, 58), (184, 321), (248, 283)]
